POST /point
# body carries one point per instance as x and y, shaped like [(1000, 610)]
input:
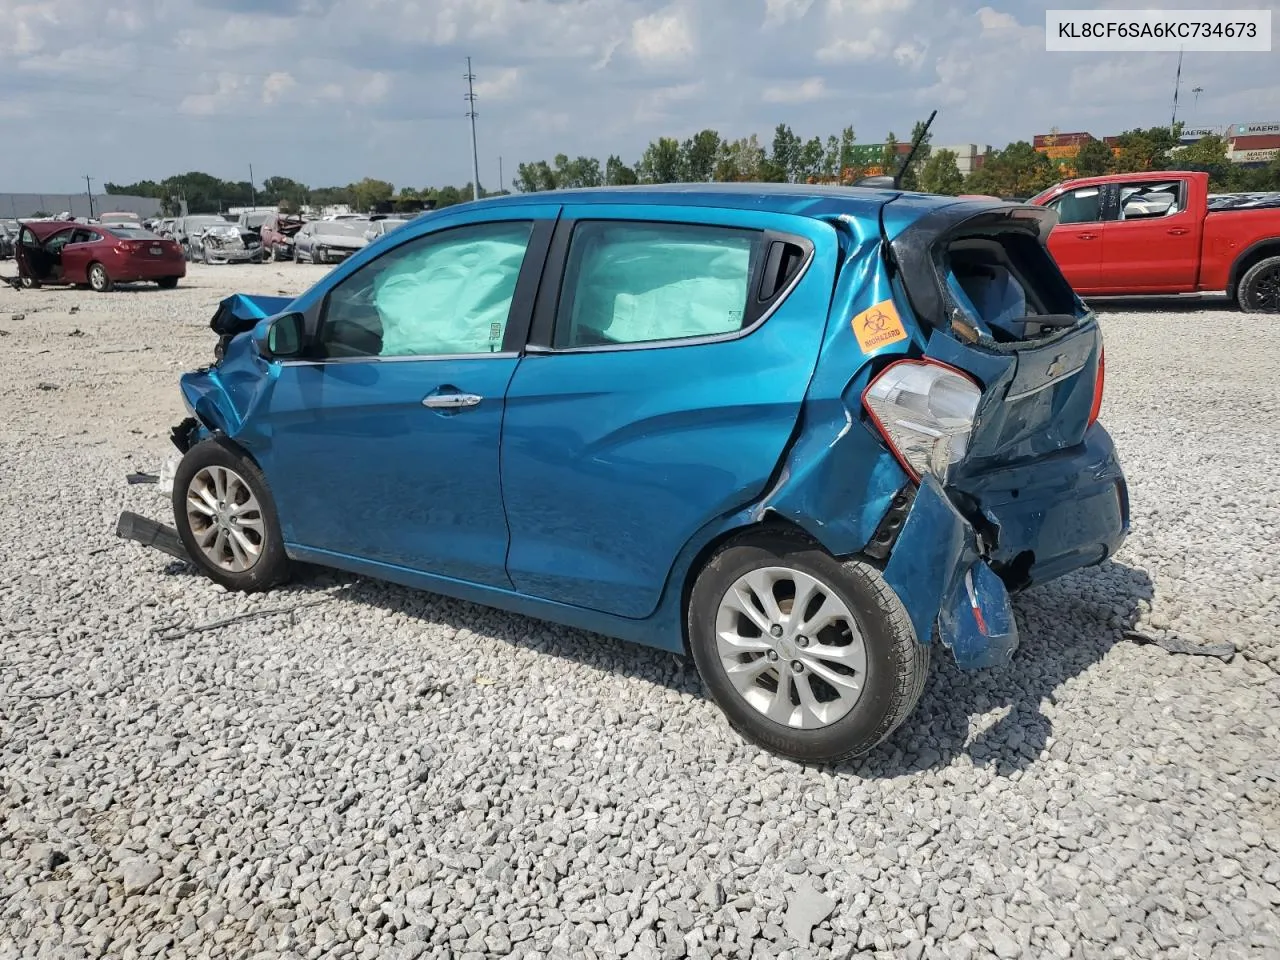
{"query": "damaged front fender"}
[(223, 398)]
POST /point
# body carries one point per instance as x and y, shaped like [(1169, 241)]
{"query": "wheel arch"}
[(771, 523), (1251, 255)]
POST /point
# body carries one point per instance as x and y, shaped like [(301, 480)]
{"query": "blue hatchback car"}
[(802, 434)]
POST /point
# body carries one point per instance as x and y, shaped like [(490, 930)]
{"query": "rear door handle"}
[(1087, 236), (450, 401), (1179, 231)]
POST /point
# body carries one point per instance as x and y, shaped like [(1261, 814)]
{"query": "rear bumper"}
[(959, 555), (151, 270), (1061, 513)]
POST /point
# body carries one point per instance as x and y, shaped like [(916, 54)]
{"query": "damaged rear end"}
[(984, 398)]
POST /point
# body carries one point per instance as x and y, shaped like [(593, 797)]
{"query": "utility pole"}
[(1195, 104), (471, 113), (88, 187), (253, 194), (502, 184), (1177, 82)]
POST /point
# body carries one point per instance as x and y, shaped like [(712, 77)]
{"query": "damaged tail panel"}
[(950, 431)]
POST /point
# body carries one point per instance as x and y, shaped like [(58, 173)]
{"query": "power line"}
[(471, 113)]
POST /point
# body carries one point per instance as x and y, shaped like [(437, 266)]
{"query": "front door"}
[(384, 445), (1076, 242)]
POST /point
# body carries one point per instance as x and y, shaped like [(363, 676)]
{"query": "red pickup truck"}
[(1158, 233)]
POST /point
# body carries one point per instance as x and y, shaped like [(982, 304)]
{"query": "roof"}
[(793, 198)]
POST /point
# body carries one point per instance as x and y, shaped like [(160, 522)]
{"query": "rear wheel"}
[(809, 657), (1259, 290), (167, 283), (99, 279), (31, 283), (227, 519)]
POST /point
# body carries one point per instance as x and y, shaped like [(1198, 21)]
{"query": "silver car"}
[(329, 241)]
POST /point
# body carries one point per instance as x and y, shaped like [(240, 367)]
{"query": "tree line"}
[(205, 193), (1017, 170)]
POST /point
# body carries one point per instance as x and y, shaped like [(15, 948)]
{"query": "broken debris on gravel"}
[(389, 774)]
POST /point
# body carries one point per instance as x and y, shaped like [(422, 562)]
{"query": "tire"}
[(229, 558), (891, 664), (167, 283), (1259, 289), (99, 279), (30, 283)]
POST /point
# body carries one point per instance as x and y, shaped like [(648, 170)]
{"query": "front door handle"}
[(1087, 236), (450, 401), (1179, 231)]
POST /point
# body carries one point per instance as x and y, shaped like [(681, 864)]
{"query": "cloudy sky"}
[(327, 91)]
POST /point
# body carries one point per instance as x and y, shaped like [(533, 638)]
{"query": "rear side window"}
[(628, 283), (1147, 201)]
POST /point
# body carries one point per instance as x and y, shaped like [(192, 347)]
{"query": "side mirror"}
[(280, 338)]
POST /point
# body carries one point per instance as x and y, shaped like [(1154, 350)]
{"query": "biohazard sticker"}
[(878, 326)]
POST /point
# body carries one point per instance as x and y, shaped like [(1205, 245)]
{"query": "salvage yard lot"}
[(362, 770)]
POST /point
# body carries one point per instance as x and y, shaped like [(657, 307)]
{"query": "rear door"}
[(1153, 244), (1076, 243), (78, 253), (671, 351)]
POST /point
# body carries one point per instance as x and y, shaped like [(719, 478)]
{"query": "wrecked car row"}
[(101, 253), (805, 435)]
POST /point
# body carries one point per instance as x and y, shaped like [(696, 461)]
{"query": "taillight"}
[(925, 411), (1098, 386)]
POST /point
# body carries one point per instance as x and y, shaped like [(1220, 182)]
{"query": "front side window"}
[(442, 294), (1079, 206), (640, 282)]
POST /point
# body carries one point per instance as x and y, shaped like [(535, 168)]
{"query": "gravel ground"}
[(365, 771)]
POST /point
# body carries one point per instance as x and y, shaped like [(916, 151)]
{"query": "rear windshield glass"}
[(132, 233)]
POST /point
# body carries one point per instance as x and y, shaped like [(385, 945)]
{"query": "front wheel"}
[(99, 279), (809, 657), (1259, 290), (227, 519)]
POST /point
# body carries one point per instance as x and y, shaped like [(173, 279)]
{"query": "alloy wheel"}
[(791, 647), (225, 518)]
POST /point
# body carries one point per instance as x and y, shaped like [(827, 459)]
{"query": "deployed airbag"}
[(637, 283), (451, 297)]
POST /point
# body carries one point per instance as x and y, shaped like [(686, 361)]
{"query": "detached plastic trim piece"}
[(149, 533)]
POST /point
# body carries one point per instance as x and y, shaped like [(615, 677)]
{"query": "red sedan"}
[(66, 252)]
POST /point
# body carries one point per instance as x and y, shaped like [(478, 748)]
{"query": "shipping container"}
[(1255, 129), (1061, 139), (1255, 142)]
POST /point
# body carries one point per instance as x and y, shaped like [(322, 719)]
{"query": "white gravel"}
[(366, 771)]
